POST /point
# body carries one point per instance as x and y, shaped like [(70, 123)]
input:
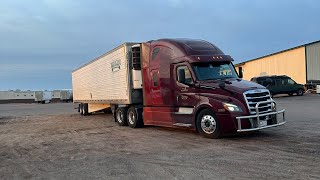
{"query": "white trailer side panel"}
[(47, 95), (56, 94), (104, 80), (42, 96), (7, 95)]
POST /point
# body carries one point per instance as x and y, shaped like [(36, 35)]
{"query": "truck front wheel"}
[(121, 116), (208, 125), (134, 118)]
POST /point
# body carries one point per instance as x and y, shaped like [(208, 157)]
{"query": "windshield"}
[(214, 71)]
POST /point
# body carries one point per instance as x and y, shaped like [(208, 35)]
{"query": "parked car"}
[(280, 85)]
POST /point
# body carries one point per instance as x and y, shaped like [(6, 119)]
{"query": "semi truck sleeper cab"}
[(178, 83)]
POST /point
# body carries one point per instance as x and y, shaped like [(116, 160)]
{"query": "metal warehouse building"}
[(301, 63)]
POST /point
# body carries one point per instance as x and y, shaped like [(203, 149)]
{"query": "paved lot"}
[(53, 141)]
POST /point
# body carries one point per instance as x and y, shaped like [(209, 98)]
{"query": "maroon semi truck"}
[(179, 83)]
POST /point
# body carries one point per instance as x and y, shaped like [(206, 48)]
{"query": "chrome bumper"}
[(257, 117)]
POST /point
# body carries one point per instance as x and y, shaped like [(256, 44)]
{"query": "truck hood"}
[(234, 85)]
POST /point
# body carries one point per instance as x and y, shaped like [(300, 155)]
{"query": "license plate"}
[(263, 123)]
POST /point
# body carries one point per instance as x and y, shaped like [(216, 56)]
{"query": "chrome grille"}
[(253, 97)]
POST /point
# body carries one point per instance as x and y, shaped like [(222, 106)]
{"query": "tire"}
[(121, 116), (208, 124), (85, 109), (300, 92), (134, 118), (81, 109)]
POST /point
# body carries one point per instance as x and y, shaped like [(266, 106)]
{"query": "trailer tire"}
[(79, 108), (85, 109), (121, 116), (134, 118), (208, 124)]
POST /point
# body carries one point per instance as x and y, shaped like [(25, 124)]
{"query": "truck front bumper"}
[(262, 121)]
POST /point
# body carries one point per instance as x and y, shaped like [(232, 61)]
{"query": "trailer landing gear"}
[(83, 109)]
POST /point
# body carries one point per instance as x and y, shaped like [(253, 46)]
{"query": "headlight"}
[(232, 107), (273, 106)]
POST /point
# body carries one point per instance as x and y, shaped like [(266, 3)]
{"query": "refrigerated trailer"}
[(64, 95), (42, 96), (181, 83), (107, 80)]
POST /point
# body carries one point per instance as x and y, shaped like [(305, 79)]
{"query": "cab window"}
[(155, 53), (155, 79), (290, 81), (278, 82), (187, 74)]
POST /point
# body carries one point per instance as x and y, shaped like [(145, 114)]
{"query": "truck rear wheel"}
[(121, 116), (134, 118), (208, 125)]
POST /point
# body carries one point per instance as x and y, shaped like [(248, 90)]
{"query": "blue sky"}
[(42, 41)]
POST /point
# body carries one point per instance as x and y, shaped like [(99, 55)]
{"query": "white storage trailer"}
[(42, 96), (64, 95), (108, 79), (16, 96)]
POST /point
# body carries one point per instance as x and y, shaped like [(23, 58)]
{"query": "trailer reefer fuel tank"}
[(180, 83)]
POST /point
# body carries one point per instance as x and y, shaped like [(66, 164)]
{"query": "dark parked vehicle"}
[(312, 84), (280, 85)]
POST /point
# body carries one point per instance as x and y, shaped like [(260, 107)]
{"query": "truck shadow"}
[(253, 135)]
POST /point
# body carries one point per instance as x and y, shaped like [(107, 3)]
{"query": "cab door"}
[(155, 88), (185, 96)]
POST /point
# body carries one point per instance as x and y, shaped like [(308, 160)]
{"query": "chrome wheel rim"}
[(208, 124), (131, 117), (120, 116)]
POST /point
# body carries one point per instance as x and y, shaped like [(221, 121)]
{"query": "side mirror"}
[(240, 72), (269, 81), (181, 76)]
